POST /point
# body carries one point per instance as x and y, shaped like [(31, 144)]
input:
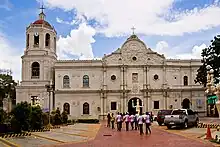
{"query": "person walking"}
[(136, 121), (118, 120), (126, 119), (140, 123), (108, 119), (113, 121), (132, 121), (148, 123)]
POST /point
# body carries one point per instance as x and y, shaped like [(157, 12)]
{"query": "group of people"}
[(136, 121)]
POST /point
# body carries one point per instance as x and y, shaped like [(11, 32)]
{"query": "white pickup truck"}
[(181, 117)]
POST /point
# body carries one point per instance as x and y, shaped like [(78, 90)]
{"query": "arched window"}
[(85, 81), (27, 41), (47, 40), (36, 40), (85, 108), (185, 80), (66, 81), (35, 70), (55, 42), (66, 108)]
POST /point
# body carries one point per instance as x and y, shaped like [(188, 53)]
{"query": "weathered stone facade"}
[(92, 88)]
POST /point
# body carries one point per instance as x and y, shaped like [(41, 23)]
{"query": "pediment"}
[(134, 52)]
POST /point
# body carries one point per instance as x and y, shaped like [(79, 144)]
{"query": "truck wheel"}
[(168, 126), (185, 125), (159, 123), (196, 123)]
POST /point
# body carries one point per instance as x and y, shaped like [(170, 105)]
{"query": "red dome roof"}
[(42, 22)]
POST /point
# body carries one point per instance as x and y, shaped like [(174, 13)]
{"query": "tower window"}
[(66, 81), (185, 81), (47, 40), (27, 41), (35, 70), (55, 42), (85, 81), (36, 40)]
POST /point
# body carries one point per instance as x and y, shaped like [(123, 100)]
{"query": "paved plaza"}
[(97, 135)]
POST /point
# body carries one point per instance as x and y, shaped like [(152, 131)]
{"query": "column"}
[(145, 77), (104, 78), (122, 78), (101, 104)]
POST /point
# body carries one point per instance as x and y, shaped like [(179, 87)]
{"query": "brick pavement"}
[(158, 138)]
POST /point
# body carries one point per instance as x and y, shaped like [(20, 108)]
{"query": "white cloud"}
[(195, 54), (116, 17), (10, 58), (78, 43), (5, 4), (162, 47), (59, 20)]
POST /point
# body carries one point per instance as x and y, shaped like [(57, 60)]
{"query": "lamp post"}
[(50, 88)]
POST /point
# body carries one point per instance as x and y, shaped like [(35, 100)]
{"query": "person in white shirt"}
[(119, 121), (136, 121), (132, 121), (140, 123), (148, 122), (126, 119)]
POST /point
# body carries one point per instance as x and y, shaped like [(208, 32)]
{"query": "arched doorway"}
[(133, 102), (66, 108), (186, 103)]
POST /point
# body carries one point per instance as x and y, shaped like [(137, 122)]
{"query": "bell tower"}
[(38, 60)]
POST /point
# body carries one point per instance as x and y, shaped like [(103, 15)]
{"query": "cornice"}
[(128, 66)]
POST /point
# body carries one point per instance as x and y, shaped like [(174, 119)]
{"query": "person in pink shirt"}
[(119, 121), (132, 121), (126, 119)]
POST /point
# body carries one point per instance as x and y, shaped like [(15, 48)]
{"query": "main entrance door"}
[(132, 103)]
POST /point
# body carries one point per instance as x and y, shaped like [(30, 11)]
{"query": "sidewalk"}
[(212, 120)]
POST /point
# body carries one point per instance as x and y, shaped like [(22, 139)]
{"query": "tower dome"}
[(41, 20)]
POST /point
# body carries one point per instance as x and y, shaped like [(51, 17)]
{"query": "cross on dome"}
[(133, 28), (42, 8), (42, 15)]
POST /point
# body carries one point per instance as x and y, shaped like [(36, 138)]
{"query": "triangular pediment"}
[(134, 51)]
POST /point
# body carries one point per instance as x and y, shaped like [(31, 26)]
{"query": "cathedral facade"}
[(92, 88)]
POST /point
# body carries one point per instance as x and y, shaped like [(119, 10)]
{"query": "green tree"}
[(210, 56), (64, 117), (3, 116), (7, 86), (21, 117), (36, 120)]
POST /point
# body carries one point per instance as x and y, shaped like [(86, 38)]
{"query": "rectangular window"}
[(134, 77), (156, 105), (113, 105)]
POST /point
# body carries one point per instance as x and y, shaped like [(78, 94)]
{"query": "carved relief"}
[(135, 89)]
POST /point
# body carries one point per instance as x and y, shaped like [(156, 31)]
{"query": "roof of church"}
[(43, 22)]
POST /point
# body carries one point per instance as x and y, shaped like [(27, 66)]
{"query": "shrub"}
[(92, 121), (21, 117), (64, 117), (45, 117), (36, 118)]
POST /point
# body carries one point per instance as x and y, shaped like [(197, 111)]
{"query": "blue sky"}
[(176, 28)]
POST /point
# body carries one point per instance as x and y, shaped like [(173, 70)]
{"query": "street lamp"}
[(50, 88)]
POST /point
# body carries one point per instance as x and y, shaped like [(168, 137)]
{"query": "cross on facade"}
[(133, 28)]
